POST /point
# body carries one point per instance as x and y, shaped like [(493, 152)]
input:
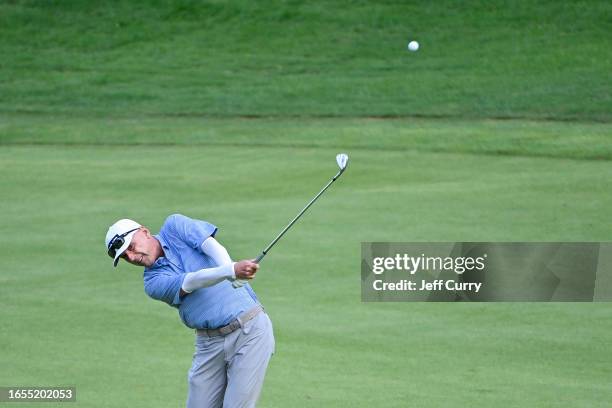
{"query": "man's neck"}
[(159, 250)]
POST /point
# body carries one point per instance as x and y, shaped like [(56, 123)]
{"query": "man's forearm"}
[(207, 277)]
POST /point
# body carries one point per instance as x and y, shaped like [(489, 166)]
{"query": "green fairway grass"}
[(81, 322), (497, 129)]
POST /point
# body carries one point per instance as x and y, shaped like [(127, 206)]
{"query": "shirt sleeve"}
[(164, 286), (192, 232)]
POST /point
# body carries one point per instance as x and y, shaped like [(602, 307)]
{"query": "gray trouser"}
[(229, 370)]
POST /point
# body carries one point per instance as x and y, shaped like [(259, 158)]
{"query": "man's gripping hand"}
[(245, 269)]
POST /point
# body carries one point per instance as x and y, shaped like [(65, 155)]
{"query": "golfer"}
[(186, 267)]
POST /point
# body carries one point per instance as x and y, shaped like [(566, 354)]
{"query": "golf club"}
[(342, 161)]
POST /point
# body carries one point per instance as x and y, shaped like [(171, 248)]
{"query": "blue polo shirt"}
[(207, 308)]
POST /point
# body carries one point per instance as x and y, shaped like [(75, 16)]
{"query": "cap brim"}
[(126, 244)]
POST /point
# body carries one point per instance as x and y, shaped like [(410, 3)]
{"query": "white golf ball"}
[(413, 46)]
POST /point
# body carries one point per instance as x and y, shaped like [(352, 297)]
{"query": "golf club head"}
[(342, 160)]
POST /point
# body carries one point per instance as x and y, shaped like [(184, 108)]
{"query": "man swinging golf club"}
[(186, 267)]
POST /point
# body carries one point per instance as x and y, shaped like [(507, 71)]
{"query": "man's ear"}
[(146, 231)]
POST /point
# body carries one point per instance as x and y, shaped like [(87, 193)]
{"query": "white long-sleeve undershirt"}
[(216, 251), (211, 276)]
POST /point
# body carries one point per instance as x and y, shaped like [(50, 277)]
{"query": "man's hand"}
[(245, 269)]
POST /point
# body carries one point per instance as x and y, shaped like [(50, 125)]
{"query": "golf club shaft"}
[(297, 217), (239, 282)]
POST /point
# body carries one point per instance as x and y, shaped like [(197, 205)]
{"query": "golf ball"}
[(413, 46)]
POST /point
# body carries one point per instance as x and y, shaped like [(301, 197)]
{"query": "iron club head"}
[(342, 160)]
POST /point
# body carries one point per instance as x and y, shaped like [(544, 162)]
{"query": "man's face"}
[(142, 250)]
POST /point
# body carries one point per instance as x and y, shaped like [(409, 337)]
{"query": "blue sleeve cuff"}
[(177, 296)]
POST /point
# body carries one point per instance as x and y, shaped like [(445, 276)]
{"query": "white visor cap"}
[(120, 233)]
